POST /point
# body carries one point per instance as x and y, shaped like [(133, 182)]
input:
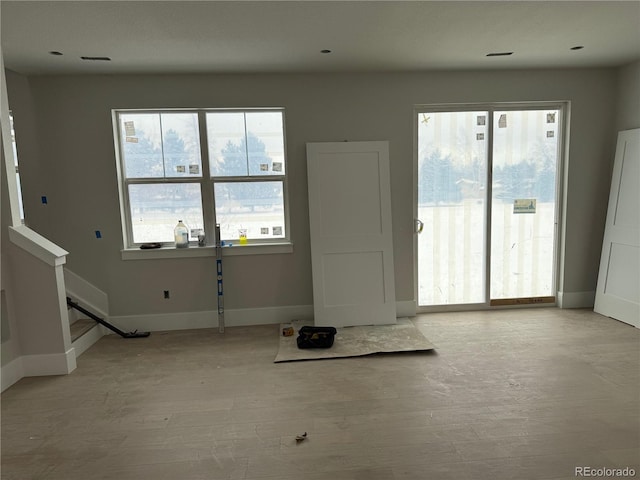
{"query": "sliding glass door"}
[(486, 204)]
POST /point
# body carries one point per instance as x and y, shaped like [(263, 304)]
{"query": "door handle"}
[(419, 226)]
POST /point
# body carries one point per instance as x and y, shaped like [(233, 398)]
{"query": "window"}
[(204, 167)]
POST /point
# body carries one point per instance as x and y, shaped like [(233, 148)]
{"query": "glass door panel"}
[(523, 203), (452, 175)]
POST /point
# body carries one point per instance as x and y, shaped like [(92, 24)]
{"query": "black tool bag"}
[(316, 337)]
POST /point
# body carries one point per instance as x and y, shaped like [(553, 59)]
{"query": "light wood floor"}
[(509, 394)]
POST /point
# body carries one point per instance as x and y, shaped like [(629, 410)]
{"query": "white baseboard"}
[(406, 308), (83, 343), (165, 321), (49, 364), (37, 366), (11, 373), (232, 318), (576, 299), (209, 319)]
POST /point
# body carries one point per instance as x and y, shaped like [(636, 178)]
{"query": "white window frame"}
[(132, 251)]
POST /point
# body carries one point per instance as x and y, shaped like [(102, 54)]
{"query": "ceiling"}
[(288, 36)]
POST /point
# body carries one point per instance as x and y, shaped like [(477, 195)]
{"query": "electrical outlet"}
[(166, 294)]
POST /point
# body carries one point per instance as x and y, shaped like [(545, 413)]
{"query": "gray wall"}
[(628, 111), (64, 123)]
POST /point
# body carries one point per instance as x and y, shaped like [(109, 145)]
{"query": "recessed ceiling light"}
[(325, 51), (499, 54), (577, 47), (54, 52), (100, 59)]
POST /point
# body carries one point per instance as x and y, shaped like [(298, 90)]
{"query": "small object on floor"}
[(301, 438), (287, 330), (316, 337)]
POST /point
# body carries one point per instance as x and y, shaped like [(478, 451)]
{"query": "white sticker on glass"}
[(129, 129), (524, 205)]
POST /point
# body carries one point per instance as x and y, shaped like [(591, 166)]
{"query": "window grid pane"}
[(242, 144), (163, 145), (141, 142), (226, 133), (181, 145), (257, 208), (265, 143), (156, 208)]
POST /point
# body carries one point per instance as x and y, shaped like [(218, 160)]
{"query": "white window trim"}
[(207, 251), (131, 251)]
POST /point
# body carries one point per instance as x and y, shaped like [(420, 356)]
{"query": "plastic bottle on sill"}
[(243, 236), (181, 235)]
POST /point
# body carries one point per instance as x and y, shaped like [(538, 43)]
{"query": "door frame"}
[(564, 108)]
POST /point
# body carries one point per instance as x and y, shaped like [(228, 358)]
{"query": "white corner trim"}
[(49, 364), (576, 299), (37, 245), (11, 373)]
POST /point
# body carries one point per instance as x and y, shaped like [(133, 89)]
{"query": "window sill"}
[(208, 251)]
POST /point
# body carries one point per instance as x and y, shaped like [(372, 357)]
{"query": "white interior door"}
[(618, 291), (351, 236)]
